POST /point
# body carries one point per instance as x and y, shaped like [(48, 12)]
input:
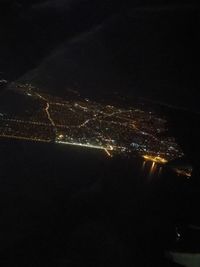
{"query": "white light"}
[(85, 145)]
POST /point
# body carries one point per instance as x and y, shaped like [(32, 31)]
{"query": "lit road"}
[(86, 123)]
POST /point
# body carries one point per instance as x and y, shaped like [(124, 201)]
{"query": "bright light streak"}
[(47, 109), (36, 139), (156, 159), (108, 153), (153, 166), (49, 116), (82, 107), (84, 123), (26, 122), (85, 145)]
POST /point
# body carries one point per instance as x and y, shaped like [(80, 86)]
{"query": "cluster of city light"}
[(93, 125)]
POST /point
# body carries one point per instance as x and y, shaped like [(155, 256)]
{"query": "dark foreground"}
[(65, 206)]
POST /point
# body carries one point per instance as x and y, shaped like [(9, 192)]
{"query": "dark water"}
[(69, 206)]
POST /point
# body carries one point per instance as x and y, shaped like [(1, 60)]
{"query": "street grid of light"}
[(86, 123)]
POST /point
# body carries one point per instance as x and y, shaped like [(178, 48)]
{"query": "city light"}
[(83, 123)]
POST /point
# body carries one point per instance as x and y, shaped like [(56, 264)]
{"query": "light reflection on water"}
[(151, 168)]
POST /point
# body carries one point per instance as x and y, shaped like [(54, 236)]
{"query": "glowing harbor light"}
[(156, 159), (183, 172)]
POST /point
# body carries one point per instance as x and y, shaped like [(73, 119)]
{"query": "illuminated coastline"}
[(85, 145)]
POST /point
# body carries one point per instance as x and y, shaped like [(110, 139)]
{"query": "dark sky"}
[(148, 49)]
